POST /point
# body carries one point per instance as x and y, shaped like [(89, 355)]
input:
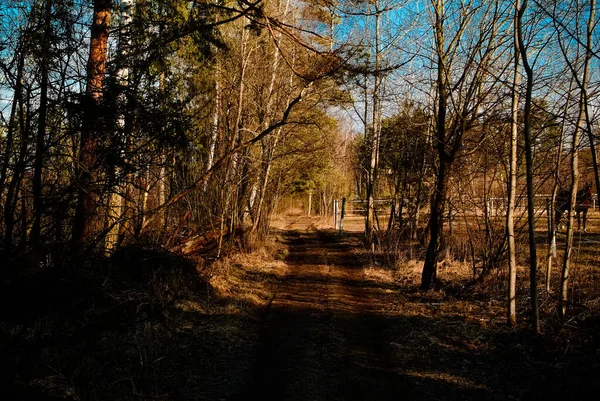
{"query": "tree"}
[(84, 225), (41, 129), (465, 43), (529, 170), (580, 127), (404, 156), (512, 186)]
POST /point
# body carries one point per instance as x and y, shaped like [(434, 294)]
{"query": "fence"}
[(496, 206)]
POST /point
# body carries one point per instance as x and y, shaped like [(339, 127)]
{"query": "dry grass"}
[(312, 316)]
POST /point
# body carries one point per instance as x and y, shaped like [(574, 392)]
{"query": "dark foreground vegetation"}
[(311, 316), (147, 146)]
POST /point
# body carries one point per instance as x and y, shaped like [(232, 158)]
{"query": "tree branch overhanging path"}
[(237, 149), (264, 198)]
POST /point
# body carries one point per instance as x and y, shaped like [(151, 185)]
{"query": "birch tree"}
[(580, 128), (512, 186)]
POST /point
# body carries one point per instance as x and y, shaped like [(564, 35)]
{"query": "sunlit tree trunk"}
[(555, 189), (512, 184), (375, 135), (86, 175), (588, 119), (533, 282), (230, 196), (162, 190), (270, 144), (162, 176), (581, 123), (215, 129)]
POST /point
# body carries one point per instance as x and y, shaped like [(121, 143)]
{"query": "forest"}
[(299, 199)]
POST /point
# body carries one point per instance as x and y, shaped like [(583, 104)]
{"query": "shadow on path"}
[(322, 328), (329, 335)]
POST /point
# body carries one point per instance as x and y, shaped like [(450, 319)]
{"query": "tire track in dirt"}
[(333, 332), (325, 334)]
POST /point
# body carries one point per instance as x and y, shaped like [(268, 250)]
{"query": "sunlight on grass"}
[(459, 381)]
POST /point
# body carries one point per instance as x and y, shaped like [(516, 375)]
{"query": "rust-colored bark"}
[(88, 196)]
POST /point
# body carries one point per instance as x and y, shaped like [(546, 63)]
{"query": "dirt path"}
[(331, 333), (321, 323), (323, 336)]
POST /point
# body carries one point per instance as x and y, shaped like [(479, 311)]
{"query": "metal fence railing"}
[(496, 206)]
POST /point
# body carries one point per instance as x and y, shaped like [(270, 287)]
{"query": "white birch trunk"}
[(512, 186), (581, 121)]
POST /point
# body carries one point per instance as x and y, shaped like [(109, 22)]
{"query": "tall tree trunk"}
[(215, 129), (269, 144), (119, 208), (375, 136), (14, 187), (588, 120), (555, 188), (41, 129), (512, 185), (88, 193), (436, 227), (581, 123), (230, 196), (12, 125), (436, 219), (533, 282)]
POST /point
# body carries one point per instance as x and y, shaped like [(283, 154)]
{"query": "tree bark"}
[(375, 137), (529, 173), (436, 219), (41, 130), (119, 203), (14, 187), (555, 188), (12, 123), (88, 194), (436, 226), (512, 185), (581, 124), (588, 120)]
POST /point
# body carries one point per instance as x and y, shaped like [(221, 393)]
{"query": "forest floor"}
[(320, 320)]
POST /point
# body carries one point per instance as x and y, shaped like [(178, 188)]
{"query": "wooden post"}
[(551, 228), (342, 215), (450, 218), (549, 220), (335, 213)]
